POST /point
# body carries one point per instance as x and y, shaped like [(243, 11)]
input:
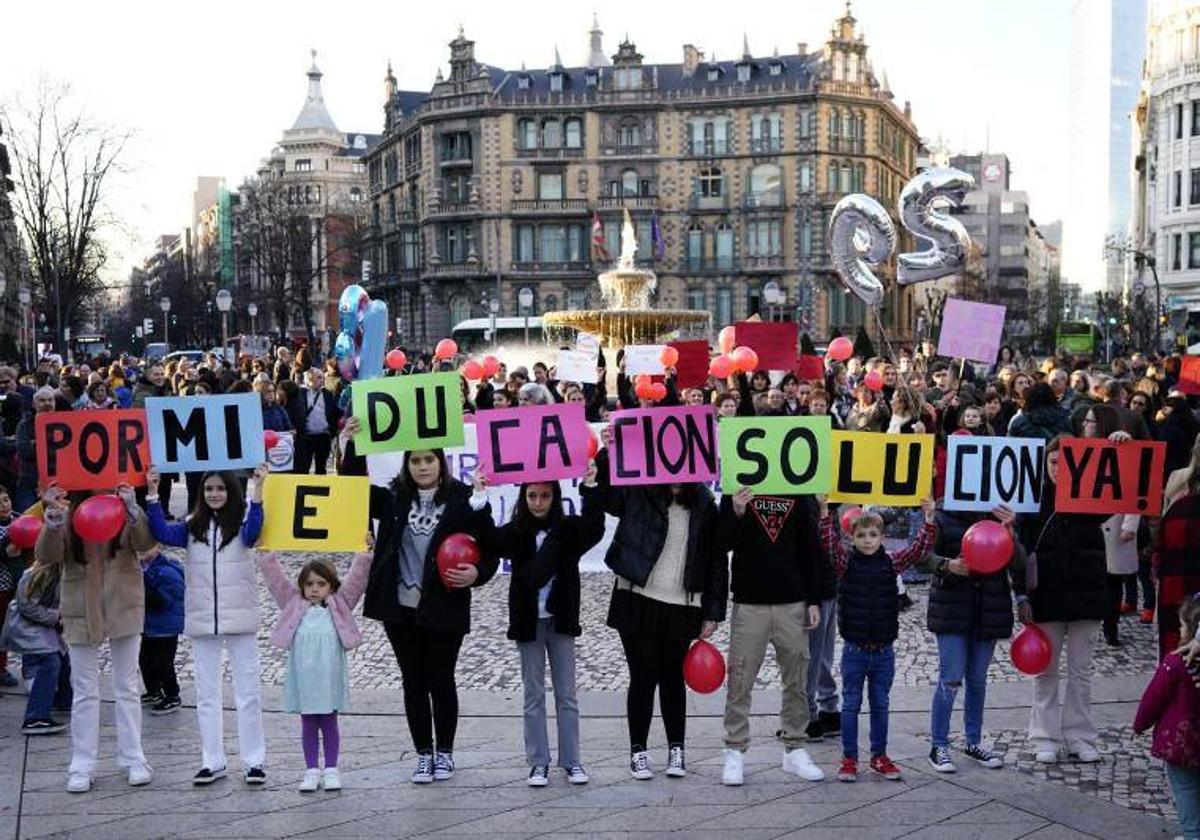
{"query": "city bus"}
[(1077, 337)]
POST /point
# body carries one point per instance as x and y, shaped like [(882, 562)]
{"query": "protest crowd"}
[(1054, 495)]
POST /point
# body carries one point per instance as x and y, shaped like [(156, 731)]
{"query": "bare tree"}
[(65, 162)]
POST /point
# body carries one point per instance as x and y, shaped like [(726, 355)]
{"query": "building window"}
[(355, 194), (724, 245), (304, 165), (410, 248), (1195, 117), (1177, 188), (456, 146), (806, 237), (696, 298), (522, 83), (710, 183), (526, 134), (775, 68), (556, 80), (629, 134), (763, 239), (627, 78), (574, 133), (551, 134), (724, 310), (807, 123), (714, 73), (858, 178), (1194, 250), (576, 299), (695, 244), (458, 242), (523, 244), (592, 78), (629, 182), (1194, 187), (553, 240), (1176, 249), (806, 176), (550, 186), (708, 136), (460, 309), (766, 186), (743, 72)]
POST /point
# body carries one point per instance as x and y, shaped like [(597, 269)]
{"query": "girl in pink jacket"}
[(316, 626)]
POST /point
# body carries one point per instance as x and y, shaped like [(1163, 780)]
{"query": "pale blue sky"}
[(209, 86)]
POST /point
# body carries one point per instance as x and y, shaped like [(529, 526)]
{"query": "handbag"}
[(1121, 557)]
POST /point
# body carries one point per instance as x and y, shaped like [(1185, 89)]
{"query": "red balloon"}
[(1030, 651), (669, 356), (725, 339), (847, 519), (873, 380), (471, 369), (99, 518), (721, 367), (491, 366), (745, 359), (644, 390), (593, 446), (658, 392), (270, 439), (987, 547), (24, 532), (455, 550), (446, 348), (840, 349), (703, 667), (395, 359)]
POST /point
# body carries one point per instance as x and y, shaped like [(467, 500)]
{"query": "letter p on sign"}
[(315, 512)]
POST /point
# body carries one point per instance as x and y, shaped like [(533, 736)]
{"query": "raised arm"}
[(356, 582), (278, 584)]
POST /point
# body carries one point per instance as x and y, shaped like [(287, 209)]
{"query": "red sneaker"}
[(1128, 608), (1146, 617), (883, 765), (848, 772)]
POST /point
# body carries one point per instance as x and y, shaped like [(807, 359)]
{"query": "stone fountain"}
[(627, 317)]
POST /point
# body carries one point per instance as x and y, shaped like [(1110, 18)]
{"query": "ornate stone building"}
[(492, 180)]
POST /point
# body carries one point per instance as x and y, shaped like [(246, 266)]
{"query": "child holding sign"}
[(869, 620), (317, 627), (221, 610)]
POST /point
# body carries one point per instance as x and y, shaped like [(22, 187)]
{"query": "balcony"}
[(633, 202), (455, 159), (471, 268), (855, 145), (766, 145), (774, 262), (549, 206), (764, 203), (710, 265), (551, 153), (453, 208), (708, 202), (545, 268), (629, 150), (708, 148)]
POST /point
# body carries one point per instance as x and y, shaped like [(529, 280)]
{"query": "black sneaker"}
[(151, 697), (255, 776), (45, 726), (539, 776), (831, 722), (985, 757), (207, 776), (166, 706), (939, 760), (815, 731)]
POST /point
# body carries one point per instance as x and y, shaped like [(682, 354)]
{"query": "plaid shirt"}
[(831, 543)]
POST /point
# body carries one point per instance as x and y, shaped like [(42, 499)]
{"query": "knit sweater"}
[(665, 582)]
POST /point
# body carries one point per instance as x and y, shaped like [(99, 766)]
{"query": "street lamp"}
[(1141, 258), (164, 303), (25, 298), (252, 311), (525, 299), (224, 303), (771, 297), (494, 307)]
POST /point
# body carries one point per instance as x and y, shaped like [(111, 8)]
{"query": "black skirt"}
[(636, 615)]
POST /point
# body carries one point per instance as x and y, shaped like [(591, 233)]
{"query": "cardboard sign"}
[(1189, 375), (663, 445), (982, 472), (212, 432), (776, 454), (644, 358), (533, 443), (280, 458), (92, 450), (315, 512), (971, 330), (691, 371), (775, 343), (576, 366), (870, 468), (418, 411), (1099, 476), (810, 369)]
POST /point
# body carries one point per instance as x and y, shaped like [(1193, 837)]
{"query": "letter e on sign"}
[(315, 512)]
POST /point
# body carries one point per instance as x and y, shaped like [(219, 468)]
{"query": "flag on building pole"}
[(599, 250), (658, 246)]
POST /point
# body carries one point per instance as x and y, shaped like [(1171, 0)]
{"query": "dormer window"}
[(556, 82), (743, 72), (776, 68), (522, 83), (592, 78), (714, 73)]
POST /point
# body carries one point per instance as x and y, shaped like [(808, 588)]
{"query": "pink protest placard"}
[(532, 443), (971, 330), (667, 445)]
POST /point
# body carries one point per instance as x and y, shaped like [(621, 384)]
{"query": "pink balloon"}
[(471, 369), (726, 338), (840, 349), (847, 519), (987, 547), (873, 380), (99, 518), (721, 367), (446, 348), (23, 533), (395, 359), (745, 359), (1030, 651), (658, 392), (703, 667)]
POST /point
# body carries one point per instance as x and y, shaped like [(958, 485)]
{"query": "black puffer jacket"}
[(976, 605), (1068, 551), (640, 537)]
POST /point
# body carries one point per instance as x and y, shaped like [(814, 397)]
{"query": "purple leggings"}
[(327, 726)]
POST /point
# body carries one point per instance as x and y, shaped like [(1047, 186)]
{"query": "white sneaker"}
[(797, 762), (312, 780), (79, 783), (676, 766), (1046, 756), (539, 776), (1086, 755), (734, 763), (140, 774), (639, 766), (576, 775), (331, 779)]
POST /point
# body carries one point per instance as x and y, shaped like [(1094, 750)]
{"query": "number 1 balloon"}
[(861, 235), (923, 210)]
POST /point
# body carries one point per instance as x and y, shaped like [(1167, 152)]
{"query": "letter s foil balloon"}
[(923, 207), (861, 235), (374, 341)]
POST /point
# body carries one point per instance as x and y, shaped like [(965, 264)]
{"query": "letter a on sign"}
[(315, 512)]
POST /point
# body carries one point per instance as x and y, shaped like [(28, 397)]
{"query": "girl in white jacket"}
[(221, 609)]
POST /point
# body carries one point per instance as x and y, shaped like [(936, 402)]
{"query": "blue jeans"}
[(1185, 787), (960, 658), (51, 689), (877, 668)]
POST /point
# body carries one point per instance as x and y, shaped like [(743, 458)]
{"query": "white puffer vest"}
[(222, 587)]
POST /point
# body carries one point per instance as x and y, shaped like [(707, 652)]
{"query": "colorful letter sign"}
[(419, 411), (92, 450), (971, 330), (533, 443), (315, 512), (1099, 476), (870, 468), (982, 472), (663, 445), (776, 454), (213, 432)]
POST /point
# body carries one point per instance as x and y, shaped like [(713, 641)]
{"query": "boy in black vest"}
[(869, 620)]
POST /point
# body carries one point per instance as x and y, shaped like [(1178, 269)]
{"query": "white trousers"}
[(85, 710), (1069, 724), (243, 662)]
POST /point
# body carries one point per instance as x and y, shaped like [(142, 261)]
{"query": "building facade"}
[(15, 322), (492, 181)]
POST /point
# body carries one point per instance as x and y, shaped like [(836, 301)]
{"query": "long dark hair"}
[(525, 520), (1107, 419), (228, 518), (404, 481)]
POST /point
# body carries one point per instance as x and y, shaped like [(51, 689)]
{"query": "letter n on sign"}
[(315, 512)]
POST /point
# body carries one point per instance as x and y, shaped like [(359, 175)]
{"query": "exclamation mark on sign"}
[(1144, 476)]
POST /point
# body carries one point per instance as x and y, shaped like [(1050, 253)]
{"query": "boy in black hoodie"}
[(776, 549)]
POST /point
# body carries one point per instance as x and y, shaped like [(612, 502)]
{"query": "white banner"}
[(575, 366), (644, 358)]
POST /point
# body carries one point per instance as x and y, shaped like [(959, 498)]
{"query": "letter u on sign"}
[(315, 512), (215, 432)]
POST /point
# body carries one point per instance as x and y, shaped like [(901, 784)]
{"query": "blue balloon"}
[(374, 341)]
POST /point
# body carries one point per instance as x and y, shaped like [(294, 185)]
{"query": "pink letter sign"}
[(971, 330), (534, 443), (664, 445)]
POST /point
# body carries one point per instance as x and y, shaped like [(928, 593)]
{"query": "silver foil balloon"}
[(861, 235), (923, 207)]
